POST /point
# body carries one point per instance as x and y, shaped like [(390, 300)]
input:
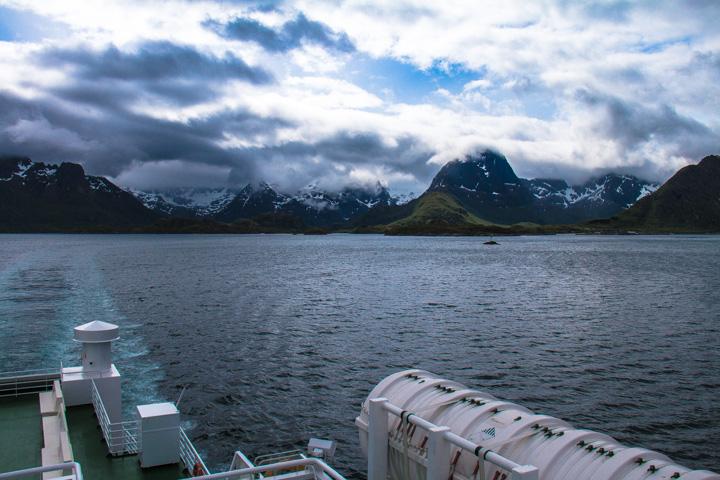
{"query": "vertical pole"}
[(438, 454), (377, 439), (525, 472)]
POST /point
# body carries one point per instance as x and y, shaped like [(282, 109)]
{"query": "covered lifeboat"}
[(558, 450)]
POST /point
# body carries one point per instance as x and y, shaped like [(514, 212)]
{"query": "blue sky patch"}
[(402, 82), (20, 26)]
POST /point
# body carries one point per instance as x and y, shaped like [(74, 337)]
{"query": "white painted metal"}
[(77, 388), (314, 468), (120, 437), (320, 448), (438, 467), (159, 428), (378, 434), (190, 457), (96, 338), (506, 432), (27, 381), (73, 466)]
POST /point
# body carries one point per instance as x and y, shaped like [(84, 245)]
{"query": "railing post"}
[(438, 454), (378, 439), (525, 472)]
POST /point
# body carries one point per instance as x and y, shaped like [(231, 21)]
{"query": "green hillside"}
[(438, 206), (687, 203)]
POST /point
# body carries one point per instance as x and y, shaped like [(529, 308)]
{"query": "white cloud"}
[(477, 84), (170, 174), (41, 132), (533, 67)]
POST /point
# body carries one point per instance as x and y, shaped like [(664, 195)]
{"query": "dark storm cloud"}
[(92, 120), (52, 132), (294, 164), (632, 124), (154, 61), (350, 149), (291, 35), (179, 74)]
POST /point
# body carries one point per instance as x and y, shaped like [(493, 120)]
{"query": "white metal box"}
[(159, 433)]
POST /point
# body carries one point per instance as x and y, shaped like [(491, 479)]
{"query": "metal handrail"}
[(312, 464), (24, 382), (275, 457), (189, 456), (20, 373), (121, 437), (483, 454), (77, 472)]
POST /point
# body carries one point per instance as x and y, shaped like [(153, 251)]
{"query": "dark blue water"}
[(280, 338)]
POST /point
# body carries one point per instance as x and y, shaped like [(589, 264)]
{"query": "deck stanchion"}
[(438, 454), (525, 472), (378, 440)]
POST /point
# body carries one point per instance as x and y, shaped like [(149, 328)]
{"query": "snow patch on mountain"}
[(26, 169), (621, 189), (648, 189), (186, 202), (101, 184)]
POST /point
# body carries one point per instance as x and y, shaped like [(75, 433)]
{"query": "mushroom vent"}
[(96, 332), (96, 338)]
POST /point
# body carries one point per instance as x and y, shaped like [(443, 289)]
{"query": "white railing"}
[(74, 466), (440, 439), (190, 456), (278, 457), (25, 382), (121, 437), (310, 469)]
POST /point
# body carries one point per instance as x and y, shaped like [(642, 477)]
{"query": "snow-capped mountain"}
[(66, 176), (403, 198), (486, 185), (619, 190), (39, 197), (187, 202), (314, 206)]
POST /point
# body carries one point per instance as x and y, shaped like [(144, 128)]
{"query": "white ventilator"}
[(96, 338), (559, 450)]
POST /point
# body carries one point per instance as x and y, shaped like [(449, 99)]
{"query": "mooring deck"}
[(22, 440), (21, 426), (91, 452)]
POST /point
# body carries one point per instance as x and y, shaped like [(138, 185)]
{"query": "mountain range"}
[(480, 190), (688, 202), (484, 189), (313, 206), (35, 197), (484, 185)]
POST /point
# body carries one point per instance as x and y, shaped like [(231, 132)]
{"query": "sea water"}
[(279, 338)]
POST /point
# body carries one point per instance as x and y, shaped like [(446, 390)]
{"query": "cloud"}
[(156, 61), (640, 132), (341, 159), (167, 174), (295, 91), (290, 36), (122, 141)]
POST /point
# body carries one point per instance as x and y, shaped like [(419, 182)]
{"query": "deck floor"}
[(22, 440), (21, 426), (90, 450)]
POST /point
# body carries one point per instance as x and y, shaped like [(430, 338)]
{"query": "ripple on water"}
[(279, 338)]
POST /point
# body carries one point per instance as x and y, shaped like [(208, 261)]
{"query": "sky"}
[(158, 94)]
